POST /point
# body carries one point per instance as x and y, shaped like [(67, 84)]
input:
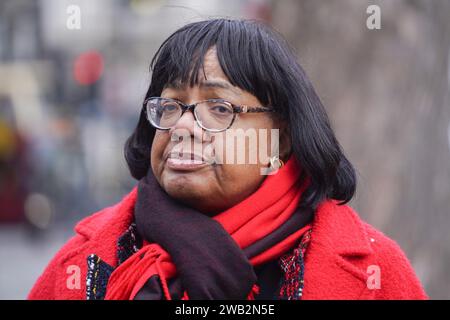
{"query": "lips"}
[(185, 161), (185, 156)]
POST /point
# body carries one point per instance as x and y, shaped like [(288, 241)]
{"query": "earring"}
[(275, 163)]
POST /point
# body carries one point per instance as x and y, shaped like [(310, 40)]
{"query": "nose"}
[(186, 126), (186, 122)]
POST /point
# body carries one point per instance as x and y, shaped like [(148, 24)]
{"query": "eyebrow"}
[(208, 84)]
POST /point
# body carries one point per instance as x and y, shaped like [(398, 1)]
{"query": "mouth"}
[(185, 161)]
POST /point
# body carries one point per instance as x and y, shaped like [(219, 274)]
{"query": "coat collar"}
[(339, 227), (338, 255), (105, 227)]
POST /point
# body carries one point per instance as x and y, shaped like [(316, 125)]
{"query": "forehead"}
[(210, 77), (211, 66)]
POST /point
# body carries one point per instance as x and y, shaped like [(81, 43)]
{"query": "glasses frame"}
[(185, 107)]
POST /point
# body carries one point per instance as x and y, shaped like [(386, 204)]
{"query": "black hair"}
[(257, 59)]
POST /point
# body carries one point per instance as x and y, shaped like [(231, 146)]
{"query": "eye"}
[(170, 107), (221, 109)]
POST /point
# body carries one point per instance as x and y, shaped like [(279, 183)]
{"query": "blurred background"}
[(71, 90)]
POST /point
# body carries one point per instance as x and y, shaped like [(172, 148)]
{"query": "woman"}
[(201, 226)]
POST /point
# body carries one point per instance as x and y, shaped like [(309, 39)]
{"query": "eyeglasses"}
[(213, 115)]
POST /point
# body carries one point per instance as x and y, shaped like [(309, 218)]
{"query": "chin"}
[(185, 187)]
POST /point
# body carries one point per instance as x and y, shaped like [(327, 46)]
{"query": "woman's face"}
[(207, 186)]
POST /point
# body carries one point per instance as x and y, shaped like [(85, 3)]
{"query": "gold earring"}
[(276, 163)]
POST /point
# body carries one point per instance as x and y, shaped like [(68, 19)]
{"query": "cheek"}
[(251, 143), (240, 180), (159, 144)]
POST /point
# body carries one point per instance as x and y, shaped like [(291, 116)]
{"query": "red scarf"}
[(249, 221)]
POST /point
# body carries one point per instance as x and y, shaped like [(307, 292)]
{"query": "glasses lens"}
[(163, 113), (214, 115)]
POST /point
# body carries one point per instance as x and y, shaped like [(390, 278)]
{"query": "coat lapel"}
[(338, 255), (101, 231)]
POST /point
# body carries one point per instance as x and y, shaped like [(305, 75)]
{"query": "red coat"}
[(343, 253)]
